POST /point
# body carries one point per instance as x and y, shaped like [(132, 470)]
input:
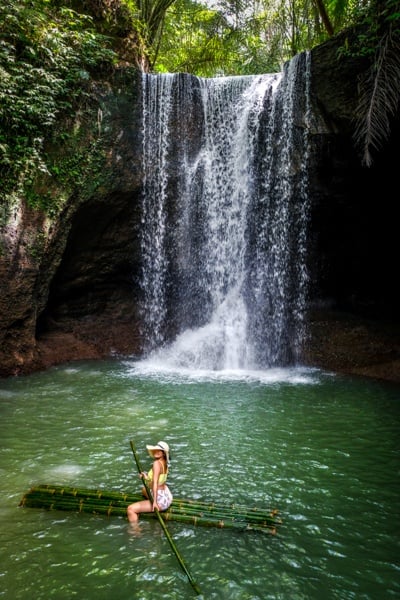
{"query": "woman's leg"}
[(136, 508)]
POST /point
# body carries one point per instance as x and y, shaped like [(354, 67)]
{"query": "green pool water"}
[(322, 449)]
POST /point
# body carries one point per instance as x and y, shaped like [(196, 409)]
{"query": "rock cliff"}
[(69, 283)]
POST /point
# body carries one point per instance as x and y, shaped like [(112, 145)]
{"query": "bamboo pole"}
[(106, 502), (93, 506), (164, 527), (178, 503)]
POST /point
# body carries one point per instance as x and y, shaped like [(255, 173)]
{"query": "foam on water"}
[(158, 366)]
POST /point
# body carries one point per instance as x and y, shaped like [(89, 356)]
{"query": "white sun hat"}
[(159, 446)]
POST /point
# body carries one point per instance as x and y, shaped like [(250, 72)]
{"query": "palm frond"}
[(379, 97)]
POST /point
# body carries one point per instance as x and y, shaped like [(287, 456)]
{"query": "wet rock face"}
[(98, 265), (77, 275), (353, 217), (95, 285), (70, 289)]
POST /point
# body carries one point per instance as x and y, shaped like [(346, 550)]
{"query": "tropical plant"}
[(380, 86), (47, 56), (152, 13), (50, 50), (237, 37)]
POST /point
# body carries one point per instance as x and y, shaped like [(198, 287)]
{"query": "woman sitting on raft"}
[(156, 480)]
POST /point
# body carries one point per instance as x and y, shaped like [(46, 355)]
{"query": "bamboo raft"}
[(193, 512)]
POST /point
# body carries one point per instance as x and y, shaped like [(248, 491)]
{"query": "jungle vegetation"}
[(52, 50)]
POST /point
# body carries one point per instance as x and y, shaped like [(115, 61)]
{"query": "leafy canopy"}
[(47, 56), (51, 50)]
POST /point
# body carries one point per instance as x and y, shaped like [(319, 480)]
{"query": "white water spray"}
[(224, 219)]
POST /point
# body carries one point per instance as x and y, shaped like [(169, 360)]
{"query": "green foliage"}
[(241, 38), (195, 40), (47, 55), (51, 50), (208, 42), (380, 85), (373, 20), (237, 37)]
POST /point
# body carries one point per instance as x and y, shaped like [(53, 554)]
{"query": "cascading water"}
[(224, 227)]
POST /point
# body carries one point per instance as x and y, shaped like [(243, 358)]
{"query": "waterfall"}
[(224, 218)]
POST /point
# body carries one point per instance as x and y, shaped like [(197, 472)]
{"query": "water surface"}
[(322, 449)]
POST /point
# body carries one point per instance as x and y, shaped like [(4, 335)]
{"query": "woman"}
[(156, 480)]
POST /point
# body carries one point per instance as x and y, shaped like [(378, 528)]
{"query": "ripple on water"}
[(323, 451)]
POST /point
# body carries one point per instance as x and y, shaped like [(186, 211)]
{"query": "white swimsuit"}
[(164, 498)]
